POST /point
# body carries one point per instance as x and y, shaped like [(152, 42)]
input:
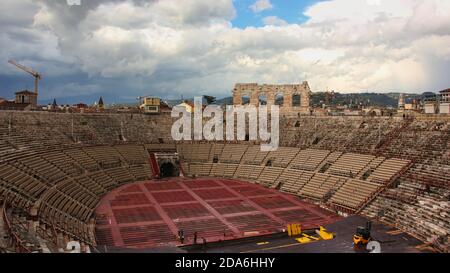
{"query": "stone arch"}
[(279, 99), (262, 99), (168, 169), (287, 96), (296, 100), (245, 99)]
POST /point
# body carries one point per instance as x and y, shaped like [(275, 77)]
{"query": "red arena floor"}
[(150, 214)]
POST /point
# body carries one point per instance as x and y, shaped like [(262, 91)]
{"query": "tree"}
[(209, 99)]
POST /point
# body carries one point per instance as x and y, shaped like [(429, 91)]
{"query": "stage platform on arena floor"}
[(151, 214)]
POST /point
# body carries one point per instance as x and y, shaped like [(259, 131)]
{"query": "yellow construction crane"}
[(37, 76)]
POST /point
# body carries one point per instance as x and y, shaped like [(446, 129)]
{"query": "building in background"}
[(25, 101), (100, 105), (151, 105), (26, 97), (401, 103), (444, 102), (13, 106), (430, 104)]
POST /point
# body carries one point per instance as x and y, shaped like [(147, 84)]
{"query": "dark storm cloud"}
[(124, 49)]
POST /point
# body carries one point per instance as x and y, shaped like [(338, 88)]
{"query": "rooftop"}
[(25, 92), (5, 104)]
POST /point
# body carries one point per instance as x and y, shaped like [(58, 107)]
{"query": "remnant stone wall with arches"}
[(293, 99)]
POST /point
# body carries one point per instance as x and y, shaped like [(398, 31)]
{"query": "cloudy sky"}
[(121, 49)]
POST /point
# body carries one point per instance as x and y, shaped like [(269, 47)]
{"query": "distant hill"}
[(374, 99), (172, 103), (318, 98), (224, 101)]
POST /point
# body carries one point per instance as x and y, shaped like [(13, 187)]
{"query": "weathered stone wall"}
[(22, 132), (270, 92), (423, 141), (419, 203), (414, 207)]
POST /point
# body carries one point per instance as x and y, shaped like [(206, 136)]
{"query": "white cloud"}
[(172, 48), (274, 21), (261, 5)]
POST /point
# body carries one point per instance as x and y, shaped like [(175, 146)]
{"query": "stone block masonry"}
[(293, 99)]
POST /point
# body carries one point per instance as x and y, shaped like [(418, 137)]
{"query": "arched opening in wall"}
[(296, 100), (262, 100), (279, 99), (167, 169), (245, 99), (297, 124)]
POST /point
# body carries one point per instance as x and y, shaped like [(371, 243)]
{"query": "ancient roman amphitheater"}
[(118, 181)]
